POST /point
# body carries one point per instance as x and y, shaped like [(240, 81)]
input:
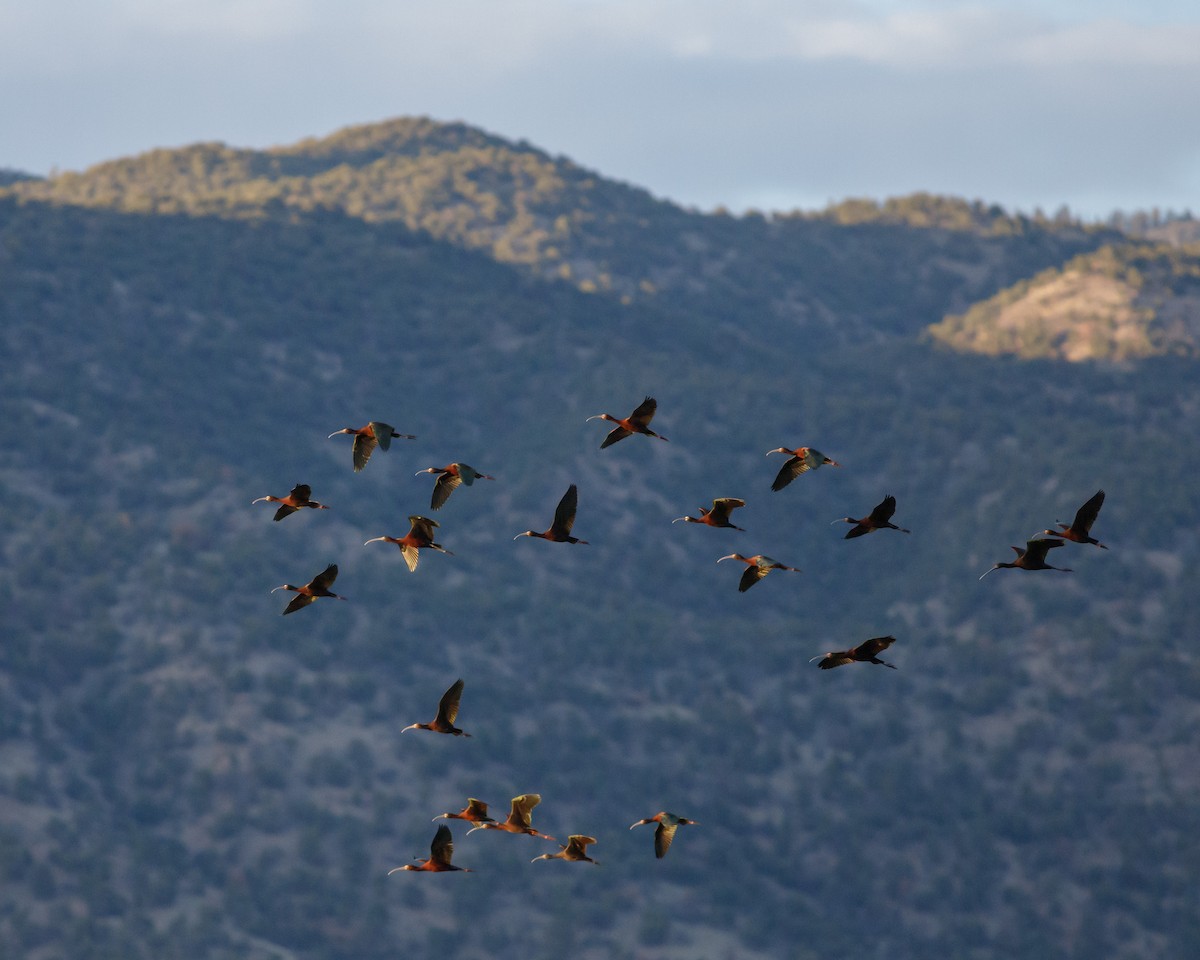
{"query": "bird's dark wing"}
[(750, 577), (478, 809), (446, 484), (448, 705), (662, 839), (301, 492), (364, 446), (836, 659), (789, 472), (617, 433), (422, 527), (442, 848), (324, 579), (1036, 550), (298, 601), (872, 648), (564, 514), (383, 433), (883, 512), (723, 506), (284, 511), (644, 412), (1086, 515), (577, 846), (858, 531)]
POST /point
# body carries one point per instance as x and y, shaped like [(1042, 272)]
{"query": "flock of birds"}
[(421, 537)]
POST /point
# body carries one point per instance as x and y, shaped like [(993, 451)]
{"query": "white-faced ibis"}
[(636, 422), (1080, 529), (299, 497), (564, 520), (446, 715), (1032, 557), (802, 460), (574, 849), (866, 652), (375, 433), (451, 477), (419, 537), (519, 818), (665, 832), (440, 853), (476, 811), (877, 519), (757, 567), (718, 514), (318, 586)]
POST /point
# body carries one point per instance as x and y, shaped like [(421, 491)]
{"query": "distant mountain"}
[(1117, 303), (184, 772)]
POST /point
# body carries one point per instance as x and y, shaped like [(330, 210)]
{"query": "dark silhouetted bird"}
[(1033, 557), (1081, 527), (636, 422), (877, 519), (564, 520), (574, 849), (318, 586), (375, 433), (865, 652), (476, 811), (718, 514), (441, 851), (298, 498), (757, 567), (446, 714), (450, 478), (802, 460), (665, 832), (419, 537)]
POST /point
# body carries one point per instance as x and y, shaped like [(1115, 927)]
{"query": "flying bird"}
[(446, 715), (866, 652), (299, 497), (1081, 527), (1032, 557), (366, 439), (419, 537), (636, 422), (664, 833), (318, 586), (877, 519), (564, 520), (757, 567), (440, 853), (802, 460), (451, 477), (718, 514), (574, 849), (519, 818), (476, 811)]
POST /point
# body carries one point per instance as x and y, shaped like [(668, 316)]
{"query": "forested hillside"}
[(186, 773)]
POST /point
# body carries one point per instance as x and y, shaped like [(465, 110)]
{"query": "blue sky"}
[(774, 104)]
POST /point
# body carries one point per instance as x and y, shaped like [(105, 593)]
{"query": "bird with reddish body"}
[(318, 586), (574, 849), (1080, 529), (366, 439), (301, 496), (802, 460), (878, 519), (564, 520), (450, 478), (519, 818), (636, 422), (664, 833), (1032, 557), (866, 652), (476, 811), (718, 514), (440, 853), (419, 537), (757, 567), (447, 713)]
